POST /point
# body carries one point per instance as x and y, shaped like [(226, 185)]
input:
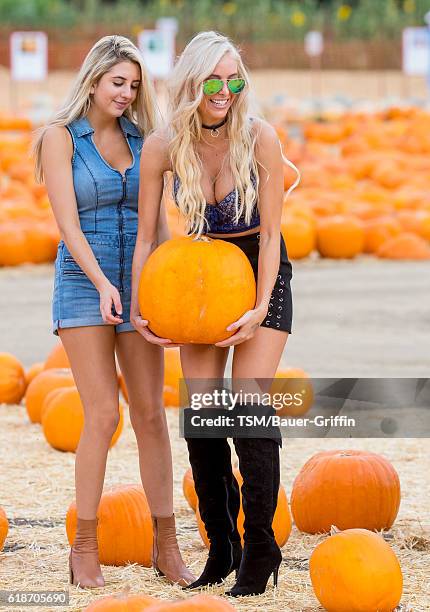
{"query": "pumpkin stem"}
[(202, 238), (334, 530)]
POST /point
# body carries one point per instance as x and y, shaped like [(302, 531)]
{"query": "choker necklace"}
[(214, 129)]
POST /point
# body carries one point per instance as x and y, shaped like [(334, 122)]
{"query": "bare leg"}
[(260, 356), (91, 354), (142, 364)]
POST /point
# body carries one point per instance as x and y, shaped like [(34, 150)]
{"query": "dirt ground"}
[(351, 318)]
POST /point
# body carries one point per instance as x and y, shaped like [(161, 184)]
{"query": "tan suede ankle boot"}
[(166, 557), (84, 565)]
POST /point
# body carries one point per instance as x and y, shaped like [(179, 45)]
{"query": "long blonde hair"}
[(195, 65), (106, 52)]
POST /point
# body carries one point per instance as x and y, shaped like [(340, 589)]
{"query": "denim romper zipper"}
[(121, 235)]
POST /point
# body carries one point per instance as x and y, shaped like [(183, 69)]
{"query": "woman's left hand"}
[(247, 325)]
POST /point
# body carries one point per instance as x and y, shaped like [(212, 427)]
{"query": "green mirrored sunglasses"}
[(214, 86)]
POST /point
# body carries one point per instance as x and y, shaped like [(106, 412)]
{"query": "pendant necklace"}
[(214, 129)]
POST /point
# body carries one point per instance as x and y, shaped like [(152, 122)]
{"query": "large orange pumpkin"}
[(190, 290), (122, 603), (124, 529), (346, 488), (198, 603), (356, 571), (281, 525), (340, 236), (57, 358), (12, 379), (4, 527), (41, 385), (63, 420)]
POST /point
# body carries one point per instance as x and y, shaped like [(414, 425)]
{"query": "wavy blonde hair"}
[(106, 53), (195, 65)]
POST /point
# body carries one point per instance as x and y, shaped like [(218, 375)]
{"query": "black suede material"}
[(216, 487), (259, 561), (219, 502), (259, 466)]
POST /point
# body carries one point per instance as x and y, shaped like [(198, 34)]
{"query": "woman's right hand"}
[(141, 325), (110, 300)]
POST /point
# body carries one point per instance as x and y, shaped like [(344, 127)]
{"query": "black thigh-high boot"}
[(259, 466), (219, 502)]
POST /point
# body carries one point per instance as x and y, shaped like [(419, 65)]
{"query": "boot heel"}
[(275, 576), (70, 568)]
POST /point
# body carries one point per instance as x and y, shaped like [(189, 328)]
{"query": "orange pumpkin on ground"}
[(379, 230), (12, 379), (282, 523), (33, 371), (14, 248), (416, 221), (122, 510), (49, 398), (4, 527), (57, 358), (198, 603), (122, 603), (299, 235), (346, 488), (63, 420), (340, 236), (356, 571), (405, 246), (296, 383), (191, 289), (40, 244), (41, 385)]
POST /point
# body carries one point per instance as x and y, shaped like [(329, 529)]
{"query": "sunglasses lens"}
[(236, 85), (212, 86)]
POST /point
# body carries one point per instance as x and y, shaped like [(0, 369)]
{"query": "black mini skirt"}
[(280, 313)]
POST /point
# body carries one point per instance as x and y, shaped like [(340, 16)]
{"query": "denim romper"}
[(107, 207)]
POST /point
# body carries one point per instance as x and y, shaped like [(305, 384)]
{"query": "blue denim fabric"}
[(107, 207)]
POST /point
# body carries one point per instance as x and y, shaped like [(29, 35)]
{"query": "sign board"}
[(314, 43), (167, 23), (416, 51), (158, 51), (28, 56)]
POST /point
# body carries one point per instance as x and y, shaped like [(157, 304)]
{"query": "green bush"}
[(241, 19)]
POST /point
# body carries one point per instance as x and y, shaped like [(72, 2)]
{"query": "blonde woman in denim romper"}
[(89, 156)]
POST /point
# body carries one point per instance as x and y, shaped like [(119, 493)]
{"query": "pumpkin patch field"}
[(37, 493), (353, 518)]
